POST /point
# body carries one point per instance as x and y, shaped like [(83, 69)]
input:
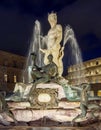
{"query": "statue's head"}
[(50, 58), (52, 17)]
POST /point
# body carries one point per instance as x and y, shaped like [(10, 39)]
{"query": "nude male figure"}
[(54, 38)]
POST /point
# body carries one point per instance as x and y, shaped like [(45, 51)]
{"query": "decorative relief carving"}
[(45, 98)]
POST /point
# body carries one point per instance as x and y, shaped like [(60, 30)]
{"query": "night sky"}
[(17, 19)]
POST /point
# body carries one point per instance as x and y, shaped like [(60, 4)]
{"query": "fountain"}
[(48, 95), (35, 44)]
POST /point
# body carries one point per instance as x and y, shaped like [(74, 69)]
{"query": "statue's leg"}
[(39, 76), (46, 61), (55, 58), (83, 110), (93, 114), (94, 108), (58, 62), (44, 79)]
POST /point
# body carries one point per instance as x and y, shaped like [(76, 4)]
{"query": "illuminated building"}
[(89, 72), (11, 69)]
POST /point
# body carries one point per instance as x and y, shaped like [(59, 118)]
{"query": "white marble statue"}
[(53, 40)]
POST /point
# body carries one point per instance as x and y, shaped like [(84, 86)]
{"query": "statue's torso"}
[(84, 97), (52, 37)]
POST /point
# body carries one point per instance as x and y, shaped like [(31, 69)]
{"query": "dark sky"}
[(17, 19)]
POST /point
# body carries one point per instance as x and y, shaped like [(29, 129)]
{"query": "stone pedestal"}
[(65, 111), (56, 108)]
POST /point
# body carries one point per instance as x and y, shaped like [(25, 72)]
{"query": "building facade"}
[(11, 70), (89, 71)]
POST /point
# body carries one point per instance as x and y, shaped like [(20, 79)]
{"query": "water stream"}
[(35, 45), (75, 56)]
